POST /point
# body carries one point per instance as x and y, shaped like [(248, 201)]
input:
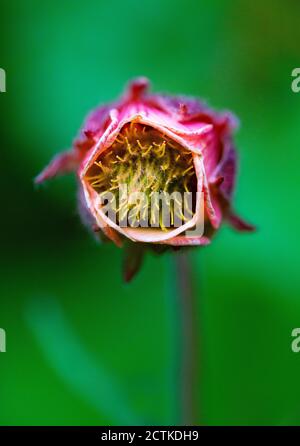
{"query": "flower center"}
[(151, 167)]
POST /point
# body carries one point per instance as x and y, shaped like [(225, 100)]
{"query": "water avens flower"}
[(154, 171)]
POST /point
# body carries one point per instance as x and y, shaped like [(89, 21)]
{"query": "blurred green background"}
[(82, 347)]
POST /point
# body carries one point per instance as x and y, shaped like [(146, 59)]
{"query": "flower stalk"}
[(189, 345)]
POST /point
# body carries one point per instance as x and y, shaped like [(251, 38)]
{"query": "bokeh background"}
[(82, 347)]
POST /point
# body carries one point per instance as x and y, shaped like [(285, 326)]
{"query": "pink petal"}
[(62, 163), (239, 224), (187, 241)]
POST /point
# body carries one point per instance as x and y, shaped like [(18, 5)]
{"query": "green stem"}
[(189, 344)]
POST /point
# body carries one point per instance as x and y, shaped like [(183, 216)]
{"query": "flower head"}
[(153, 169)]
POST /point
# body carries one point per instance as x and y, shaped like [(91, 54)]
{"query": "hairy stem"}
[(189, 344)]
